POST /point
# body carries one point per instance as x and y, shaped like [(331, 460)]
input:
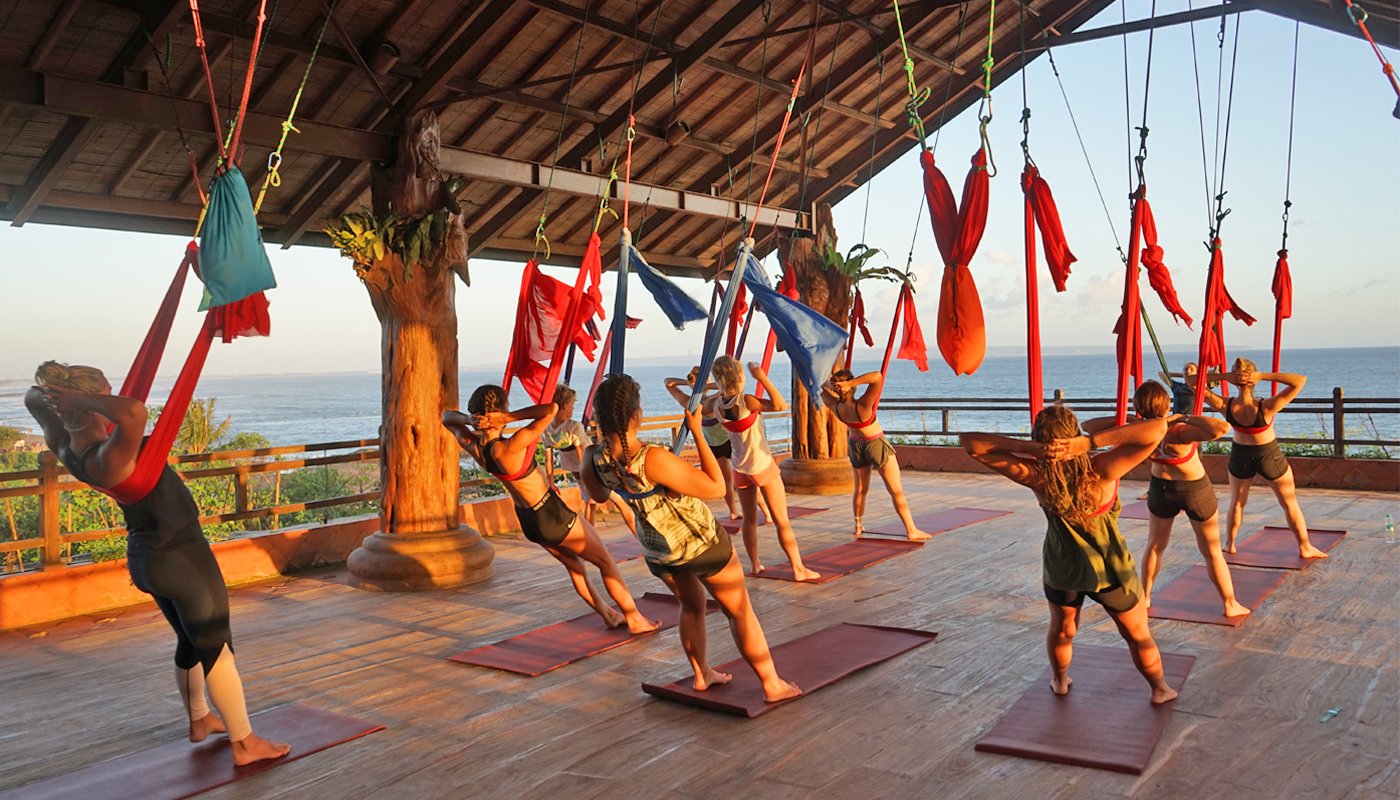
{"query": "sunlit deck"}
[(1249, 721)]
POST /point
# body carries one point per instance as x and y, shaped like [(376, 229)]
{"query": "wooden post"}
[(946, 420), (240, 494), (1339, 424), (48, 509)]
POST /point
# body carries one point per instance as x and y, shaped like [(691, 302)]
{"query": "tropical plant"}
[(9, 437), (852, 265), (367, 240)]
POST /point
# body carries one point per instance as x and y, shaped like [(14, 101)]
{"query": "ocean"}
[(300, 409)]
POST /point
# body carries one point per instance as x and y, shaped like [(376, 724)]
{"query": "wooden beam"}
[(878, 34), (57, 25), (632, 32), (1152, 23)]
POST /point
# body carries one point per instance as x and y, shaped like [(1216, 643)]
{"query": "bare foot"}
[(781, 690), (1163, 694), (611, 618), (917, 535), (255, 748), (1308, 551), (200, 729), (1060, 686), (1234, 609), (756, 568), (636, 623), (1229, 546), (804, 574), (711, 677)]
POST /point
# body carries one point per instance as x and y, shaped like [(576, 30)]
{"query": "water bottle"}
[(1389, 529)]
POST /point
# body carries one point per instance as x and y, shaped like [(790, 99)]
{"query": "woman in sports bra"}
[(1084, 554), (867, 447), (681, 542), (1179, 483), (715, 436), (754, 468), (544, 517), (1255, 451), (97, 435), (568, 437)]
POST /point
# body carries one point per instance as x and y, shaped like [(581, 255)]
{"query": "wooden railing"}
[(51, 480), (1332, 413)]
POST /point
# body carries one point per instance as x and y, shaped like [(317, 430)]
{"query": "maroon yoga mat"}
[(794, 512), (1135, 510), (1192, 597), (843, 559), (624, 549), (180, 769), (540, 651), (812, 661), (1105, 722), (938, 521), (1275, 548)]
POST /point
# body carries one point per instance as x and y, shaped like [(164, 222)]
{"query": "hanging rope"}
[(247, 83), (917, 97), (161, 63), (1358, 17), (208, 76), (874, 135), (984, 109), (1283, 280), (540, 237), (274, 159)]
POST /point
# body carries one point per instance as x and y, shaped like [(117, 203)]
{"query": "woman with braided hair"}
[(715, 436), (97, 435), (680, 539), (755, 470), (544, 517), (1084, 555)]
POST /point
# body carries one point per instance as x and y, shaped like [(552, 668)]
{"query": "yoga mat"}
[(1192, 597), (843, 559), (794, 512), (179, 769), (812, 662), (1105, 722), (938, 521), (624, 549), (1275, 548), (540, 651), (1135, 510)]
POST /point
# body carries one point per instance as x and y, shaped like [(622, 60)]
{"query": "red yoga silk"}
[(858, 323), (1041, 212), (962, 335), (550, 315), (1283, 303), (912, 346), (1211, 352), (246, 317)]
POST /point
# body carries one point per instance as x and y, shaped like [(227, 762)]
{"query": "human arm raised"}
[(1291, 380), (664, 468), (1195, 429), (774, 401), (116, 457), (49, 422), (1014, 458)]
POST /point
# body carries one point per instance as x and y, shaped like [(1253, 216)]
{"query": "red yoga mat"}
[(938, 521), (1105, 722), (843, 559), (794, 512), (540, 651), (624, 549), (812, 662), (1276, 548), (1135, 510), (180, 769), (1192, 597)]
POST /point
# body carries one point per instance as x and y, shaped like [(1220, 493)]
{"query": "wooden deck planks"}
[(1248, 722)]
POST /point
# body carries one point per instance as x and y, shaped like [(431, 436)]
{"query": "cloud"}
[(999, 256)]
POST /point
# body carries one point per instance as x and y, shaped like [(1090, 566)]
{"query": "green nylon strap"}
[(274, 159), (916, 97)]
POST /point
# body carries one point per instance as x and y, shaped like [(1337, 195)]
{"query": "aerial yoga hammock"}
[(230, 260), (957, 227)]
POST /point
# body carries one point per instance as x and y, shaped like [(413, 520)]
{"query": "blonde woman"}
[(97, 435), (715, 436), (680, 539), (544, 517), (754, 468), (868, 449), (568, 437), (1084, 554), (1254, 449)]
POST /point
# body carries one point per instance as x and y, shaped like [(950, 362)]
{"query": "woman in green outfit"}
[(1084, 554)]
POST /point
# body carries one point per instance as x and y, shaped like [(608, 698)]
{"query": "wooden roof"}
[(88, 120)]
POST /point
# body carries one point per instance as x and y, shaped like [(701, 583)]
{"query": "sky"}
[(87, 296)]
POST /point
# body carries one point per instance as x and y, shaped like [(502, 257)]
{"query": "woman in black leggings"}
[(97, 436)]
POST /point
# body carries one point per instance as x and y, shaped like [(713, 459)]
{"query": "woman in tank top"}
[(1254, 448), (715, 436), (680, 539), (544, 517), (97, 435), (1084, 554)]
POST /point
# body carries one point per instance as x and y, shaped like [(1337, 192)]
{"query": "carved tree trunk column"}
[(818, 464)]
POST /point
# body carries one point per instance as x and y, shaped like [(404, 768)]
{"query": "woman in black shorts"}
[(544, 517), (1179, 483), (1255, 449), (715, 436), (680, 539), (1084, 554), (97, 436)]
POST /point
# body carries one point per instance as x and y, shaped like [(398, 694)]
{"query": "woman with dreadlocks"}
[(1084, 555), (680, 539), (544, 517)]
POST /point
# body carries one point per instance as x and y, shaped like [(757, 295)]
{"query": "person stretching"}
[(754, 467), (97, 436), (715, 436), (1254, 449), (544, 517), (868, 449), (568, 437), (1084, 555), (681, 541), (1179, 483)]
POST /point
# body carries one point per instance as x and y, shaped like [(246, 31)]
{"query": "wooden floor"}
[(1251, 720)]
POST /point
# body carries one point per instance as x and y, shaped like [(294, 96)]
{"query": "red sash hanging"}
[(1040, 211), (1211, 352), (788, 286), (958, 229), (1283, 304)]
